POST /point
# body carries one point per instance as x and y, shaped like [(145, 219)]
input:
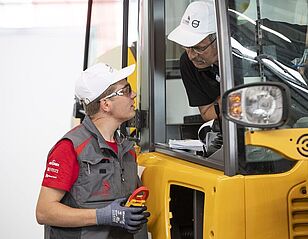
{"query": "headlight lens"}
[(257, 105)]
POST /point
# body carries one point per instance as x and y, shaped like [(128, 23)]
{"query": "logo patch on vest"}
[(105, 187), (102, 171)]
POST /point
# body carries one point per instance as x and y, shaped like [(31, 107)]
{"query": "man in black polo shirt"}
[(199, 63)]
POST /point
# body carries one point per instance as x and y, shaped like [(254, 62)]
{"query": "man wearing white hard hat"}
[(199, 63), (92, 170)]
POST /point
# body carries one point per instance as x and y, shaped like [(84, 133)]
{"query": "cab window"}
[(269, 43)]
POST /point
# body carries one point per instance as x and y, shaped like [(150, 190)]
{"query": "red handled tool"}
[(138, 197)]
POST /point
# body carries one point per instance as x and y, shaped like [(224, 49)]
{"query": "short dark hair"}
[(93, 107), (212, 36)]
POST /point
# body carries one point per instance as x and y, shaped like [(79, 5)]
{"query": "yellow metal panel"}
[(229, 209), (292, 143), (266, 199), (298, 211), (239, 207), (224, 196)]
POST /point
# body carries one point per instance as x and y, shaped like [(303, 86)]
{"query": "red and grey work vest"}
[(103, 177)]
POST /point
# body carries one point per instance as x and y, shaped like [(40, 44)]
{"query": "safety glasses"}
[(126, 91), (199, 50)]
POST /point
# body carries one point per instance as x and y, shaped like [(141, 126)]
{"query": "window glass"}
[(191, 81), (177, 106), (269, 43), (106, 31)]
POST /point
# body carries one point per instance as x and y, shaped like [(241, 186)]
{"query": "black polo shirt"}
[(202, 86)]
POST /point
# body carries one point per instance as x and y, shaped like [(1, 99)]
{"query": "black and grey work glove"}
[(129, 218), (215, 144)]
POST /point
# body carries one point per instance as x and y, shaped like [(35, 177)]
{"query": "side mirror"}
[(258, 105)]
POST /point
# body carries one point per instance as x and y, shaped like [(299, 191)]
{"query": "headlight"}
[(263, 105)]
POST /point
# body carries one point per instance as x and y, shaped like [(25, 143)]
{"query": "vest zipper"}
[(122, 170), (122, 176), (120, 158), (89, 170)]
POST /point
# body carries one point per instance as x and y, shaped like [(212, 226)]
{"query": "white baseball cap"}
[(197, 23), (97, 78)]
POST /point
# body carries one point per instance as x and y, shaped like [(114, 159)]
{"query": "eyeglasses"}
[(126, 90), (199, 50)]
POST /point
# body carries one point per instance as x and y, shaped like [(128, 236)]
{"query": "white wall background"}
[(38, 68)]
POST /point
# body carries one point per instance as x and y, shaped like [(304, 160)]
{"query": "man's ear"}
[(105, 105)]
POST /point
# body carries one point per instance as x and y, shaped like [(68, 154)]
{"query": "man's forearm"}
[(50, 211), (58, 214), (209, 114)]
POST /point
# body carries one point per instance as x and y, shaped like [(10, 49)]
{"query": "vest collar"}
[(90, 126)]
